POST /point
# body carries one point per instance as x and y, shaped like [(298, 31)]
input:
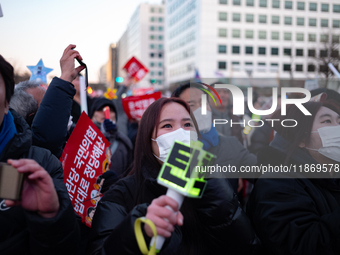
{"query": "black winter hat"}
[(99, 103)]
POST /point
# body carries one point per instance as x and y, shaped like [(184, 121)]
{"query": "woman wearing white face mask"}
[(210, 224), (299, 212)]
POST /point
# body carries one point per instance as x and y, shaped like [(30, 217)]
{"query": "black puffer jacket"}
[(212, 224), (50, 123), (25, 232), (298, 215)]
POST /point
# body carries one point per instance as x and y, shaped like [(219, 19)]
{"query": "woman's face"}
[(325, 117), (173, 116)]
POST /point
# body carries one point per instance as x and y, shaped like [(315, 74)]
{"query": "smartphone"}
[(11, 182)]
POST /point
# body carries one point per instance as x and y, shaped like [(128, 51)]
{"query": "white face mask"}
[(203, 121), (166, 141), (330, 137)]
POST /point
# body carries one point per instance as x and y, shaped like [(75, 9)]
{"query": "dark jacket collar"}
[(21, 142)]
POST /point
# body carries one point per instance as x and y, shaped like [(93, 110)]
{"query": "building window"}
[(152, 64), (275, 51), (287, 52), (325, 7), (275, 3), (160, 10), (288, 20), (152, 73), (222, 32), (336, 8), (262, 51), (152, 19), (236, 17), (335, 54), (335, 38), (236, 49), (288, 5), (152, 28), (152, 9), (324, 22), (223, 2), (286, 67), (298, 68), (236, 33), (262, 19), (222, 65), (160, 64), (249, 63), (236, 2), (275, 19), (324, 38), (222, 16), (299, 52), (160, 28), (311, 53), (249, 18), (263, 3), (249, 34), (312, 6), (160, 73), (311, 68), (300, 37), (160, 55), (152, 55), (250, 3), (312, 37), (160, 46), (275, 35), (300, 21), (235, 63), (312, 22), (249, 50), (262, 34), (323, 53), (323, 68), (152, 46), (301, 6), (336, 23), (160, 19), (287, 36), (222, 49), (152, 37), (160, 37)]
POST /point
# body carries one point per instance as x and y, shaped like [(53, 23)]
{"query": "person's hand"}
[(164, 218), (38, 192), (68, 70), (129, 81), (109, 126)]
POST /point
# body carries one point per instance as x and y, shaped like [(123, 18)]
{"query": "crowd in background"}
[(296, 213)]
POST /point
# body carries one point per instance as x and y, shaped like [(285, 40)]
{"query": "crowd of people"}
[(294, 212)]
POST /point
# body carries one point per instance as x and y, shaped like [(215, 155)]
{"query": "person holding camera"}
[(42, 221)]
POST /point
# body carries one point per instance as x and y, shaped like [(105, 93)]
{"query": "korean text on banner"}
[(135, 106), (86, 157), (136, 69)]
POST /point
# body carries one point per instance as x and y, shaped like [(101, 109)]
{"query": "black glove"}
[(109, 126)]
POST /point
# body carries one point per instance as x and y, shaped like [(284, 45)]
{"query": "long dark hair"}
[(7, 73), (143, 150), (302, 131)]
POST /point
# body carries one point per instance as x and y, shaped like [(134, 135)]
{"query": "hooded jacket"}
[(299, 214), (212, 224), (25, 232)]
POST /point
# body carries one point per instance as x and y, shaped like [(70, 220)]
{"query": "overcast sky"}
[(34, 29)]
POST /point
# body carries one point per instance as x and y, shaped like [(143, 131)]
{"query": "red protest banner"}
[(135, 106), (85, 158), (136, 69)]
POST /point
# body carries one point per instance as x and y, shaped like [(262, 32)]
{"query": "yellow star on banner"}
[(110, 94)]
